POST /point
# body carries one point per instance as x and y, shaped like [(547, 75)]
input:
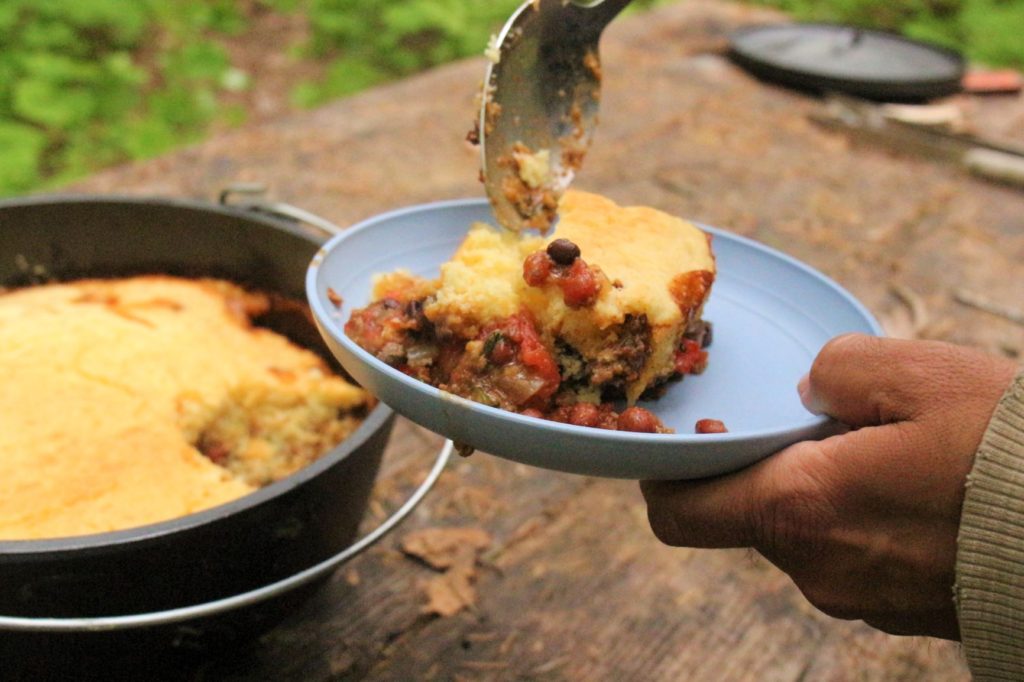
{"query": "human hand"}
[(865, 523)]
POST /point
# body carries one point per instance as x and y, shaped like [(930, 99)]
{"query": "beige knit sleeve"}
[(990, 554)]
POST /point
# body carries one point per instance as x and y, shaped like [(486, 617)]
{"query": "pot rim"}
[(374, 421)]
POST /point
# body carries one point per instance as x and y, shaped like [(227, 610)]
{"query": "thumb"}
[(865, 380)]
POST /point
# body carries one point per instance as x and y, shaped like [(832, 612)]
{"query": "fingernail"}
[(803, 387)]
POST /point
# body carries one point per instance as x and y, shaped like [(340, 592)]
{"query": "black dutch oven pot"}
[(220, 575)]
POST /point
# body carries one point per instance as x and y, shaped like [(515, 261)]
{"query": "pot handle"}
[(212, 608), (277, 209)]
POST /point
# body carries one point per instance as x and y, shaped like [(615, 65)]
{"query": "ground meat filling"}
[(700, 331), (385, 329), (506, 365), (621, 363)]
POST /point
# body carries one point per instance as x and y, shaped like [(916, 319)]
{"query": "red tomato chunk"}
[(579, 282), (690, 358)]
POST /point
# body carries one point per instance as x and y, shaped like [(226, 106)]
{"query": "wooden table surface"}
[(572, 584)]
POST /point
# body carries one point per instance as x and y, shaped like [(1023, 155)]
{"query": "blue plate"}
[(771, 313)]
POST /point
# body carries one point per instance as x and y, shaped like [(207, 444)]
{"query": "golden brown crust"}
[(690, 289)]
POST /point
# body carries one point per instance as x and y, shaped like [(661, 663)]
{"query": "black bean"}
[(705, 340), (700, 332), (563, 251)]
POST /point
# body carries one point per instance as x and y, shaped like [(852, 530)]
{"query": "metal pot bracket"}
[(252, 194)]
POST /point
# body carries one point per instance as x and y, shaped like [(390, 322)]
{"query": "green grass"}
[(91, 83), (371, 41)]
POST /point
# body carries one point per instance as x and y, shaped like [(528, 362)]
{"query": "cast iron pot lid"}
[(865, 63)]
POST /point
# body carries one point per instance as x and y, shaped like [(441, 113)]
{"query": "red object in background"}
[(1003, 81)]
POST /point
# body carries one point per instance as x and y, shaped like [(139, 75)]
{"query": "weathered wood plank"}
[(575, 586)]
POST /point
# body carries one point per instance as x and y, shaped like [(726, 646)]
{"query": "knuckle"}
[(795, 511), (967, 372)]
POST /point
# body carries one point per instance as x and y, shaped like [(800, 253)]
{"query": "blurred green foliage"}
[(88, 83), (371, 41)]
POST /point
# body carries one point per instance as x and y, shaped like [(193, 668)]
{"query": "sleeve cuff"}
[(990, 547)]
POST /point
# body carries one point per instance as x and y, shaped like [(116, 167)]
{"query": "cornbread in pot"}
[(609, 306), (132, 401)]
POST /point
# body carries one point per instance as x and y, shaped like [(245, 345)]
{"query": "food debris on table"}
[(453, 551), (440, 547), (451, 592)]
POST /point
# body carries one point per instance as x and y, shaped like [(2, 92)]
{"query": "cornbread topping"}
[(608, 307), (132, 401)]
